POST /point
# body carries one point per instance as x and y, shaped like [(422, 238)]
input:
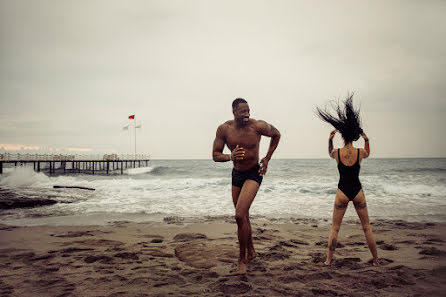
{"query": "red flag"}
[(132, 117)]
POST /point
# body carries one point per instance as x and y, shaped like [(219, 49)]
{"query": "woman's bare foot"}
[(251, 255), (375, 262), (241, 267), (327, 263)]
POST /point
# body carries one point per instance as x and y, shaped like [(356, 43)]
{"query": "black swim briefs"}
[(239, 177)]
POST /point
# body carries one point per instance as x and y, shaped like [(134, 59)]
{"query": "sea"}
[(395, 189)]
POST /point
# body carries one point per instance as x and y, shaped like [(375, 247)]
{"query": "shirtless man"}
[(242, 136)]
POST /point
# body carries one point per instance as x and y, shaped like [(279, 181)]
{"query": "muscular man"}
[(242, 136)]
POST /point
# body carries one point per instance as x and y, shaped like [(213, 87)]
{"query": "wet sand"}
[(198, 258)]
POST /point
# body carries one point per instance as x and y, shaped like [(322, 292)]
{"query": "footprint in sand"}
[(325, 244), (157, 253), (100, 259), (388, 247), (201, 254), (155, 238), (350, 263), (317, 257), (189, 236), (382, 261), (275, 253), (433, 241), (127, 256), (71, 234), (236, 284), (356, 243), (407, 242), (300, 242), (432, 252)]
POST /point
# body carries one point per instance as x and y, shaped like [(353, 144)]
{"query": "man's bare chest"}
[(247, 139)]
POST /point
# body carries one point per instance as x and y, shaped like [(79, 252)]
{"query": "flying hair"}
[(346, 119)]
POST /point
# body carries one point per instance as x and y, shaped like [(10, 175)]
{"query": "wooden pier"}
[(75, 163)]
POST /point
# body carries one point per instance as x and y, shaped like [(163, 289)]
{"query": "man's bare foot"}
[(376, 262), (251, 255), (327, 263), (241, 267)]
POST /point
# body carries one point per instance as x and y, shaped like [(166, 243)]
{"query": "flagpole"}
[(134, 121)]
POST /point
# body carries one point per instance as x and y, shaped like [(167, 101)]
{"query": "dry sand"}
[(198, 258)]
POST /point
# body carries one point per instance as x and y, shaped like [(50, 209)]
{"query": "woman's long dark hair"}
[(346, 121)]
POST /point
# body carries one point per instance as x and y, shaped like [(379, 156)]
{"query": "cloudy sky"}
[(71, 72)]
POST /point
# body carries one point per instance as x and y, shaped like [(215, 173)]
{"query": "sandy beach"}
[(197, 258)]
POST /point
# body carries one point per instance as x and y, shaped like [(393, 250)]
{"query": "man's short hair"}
[(237, 101)]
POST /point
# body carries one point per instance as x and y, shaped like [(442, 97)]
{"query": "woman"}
[(349, 158)]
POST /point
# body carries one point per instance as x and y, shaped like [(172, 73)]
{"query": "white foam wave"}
[(140, 170), (22, 177), (19, 177)]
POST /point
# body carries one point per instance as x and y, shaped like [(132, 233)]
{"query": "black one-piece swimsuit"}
[(349, 182)]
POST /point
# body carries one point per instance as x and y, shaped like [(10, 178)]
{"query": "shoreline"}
[(107, 218), (198, 257)]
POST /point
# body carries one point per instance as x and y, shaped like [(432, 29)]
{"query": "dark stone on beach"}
[(7, 228), (156, 240), (10, 200), (189, 236), (22, 202)]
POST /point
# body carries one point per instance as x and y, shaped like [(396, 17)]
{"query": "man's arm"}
[(268, 130), (219, 145)]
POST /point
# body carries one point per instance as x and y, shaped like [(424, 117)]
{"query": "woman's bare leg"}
[(361, 210), (340, 206)]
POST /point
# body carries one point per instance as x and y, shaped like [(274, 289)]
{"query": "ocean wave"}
[(163, 171), (420, 170)]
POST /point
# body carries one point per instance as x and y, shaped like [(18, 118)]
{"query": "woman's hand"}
[(332, 134), (364, 136)]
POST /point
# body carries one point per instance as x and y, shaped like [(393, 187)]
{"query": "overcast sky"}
[(71, 72)]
